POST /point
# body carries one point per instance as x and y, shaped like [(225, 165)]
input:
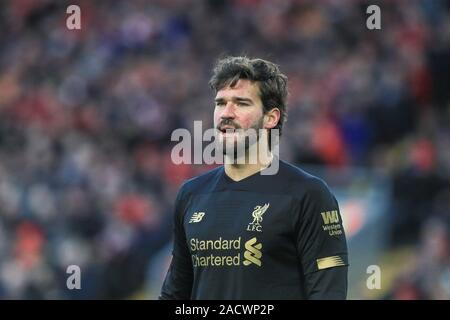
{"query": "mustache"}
[(227, 122)]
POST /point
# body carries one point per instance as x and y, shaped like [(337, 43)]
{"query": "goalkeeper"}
[(243, 232)]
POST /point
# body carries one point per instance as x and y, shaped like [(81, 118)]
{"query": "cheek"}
[(246, 122), (216, 117), (250, 120)]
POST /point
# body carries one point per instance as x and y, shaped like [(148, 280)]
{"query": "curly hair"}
[(272, 83)]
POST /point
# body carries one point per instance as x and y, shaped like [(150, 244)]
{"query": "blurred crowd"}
[(86, 118)]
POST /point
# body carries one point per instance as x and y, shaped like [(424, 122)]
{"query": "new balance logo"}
[(252, 252), (197, 217), (330, 217)]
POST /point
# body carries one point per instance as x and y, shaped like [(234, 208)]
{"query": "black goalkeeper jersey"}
[(264, 237)]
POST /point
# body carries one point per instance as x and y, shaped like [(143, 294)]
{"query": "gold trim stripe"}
[(329, 262)]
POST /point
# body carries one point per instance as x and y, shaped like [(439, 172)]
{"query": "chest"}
[(238, 215)]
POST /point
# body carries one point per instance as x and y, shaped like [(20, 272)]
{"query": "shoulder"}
[(302, 183), (200, 184)]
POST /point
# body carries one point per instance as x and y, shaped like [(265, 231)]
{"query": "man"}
[(243, 234)]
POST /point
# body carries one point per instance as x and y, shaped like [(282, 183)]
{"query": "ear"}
[(271, 118)]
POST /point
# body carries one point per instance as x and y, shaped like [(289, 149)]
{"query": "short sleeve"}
[(179, 278), (321, 241)]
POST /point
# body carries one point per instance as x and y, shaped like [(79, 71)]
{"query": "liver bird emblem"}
[(258, 213)]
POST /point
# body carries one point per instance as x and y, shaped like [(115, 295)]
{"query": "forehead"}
[(242, 88)]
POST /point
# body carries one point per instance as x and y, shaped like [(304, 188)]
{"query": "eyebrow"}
[(239, 99)]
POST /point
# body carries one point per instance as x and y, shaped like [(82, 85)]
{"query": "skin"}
[(240, 107)]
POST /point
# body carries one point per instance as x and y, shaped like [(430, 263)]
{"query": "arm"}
[(328, 284), (321, 244), (178, 282)]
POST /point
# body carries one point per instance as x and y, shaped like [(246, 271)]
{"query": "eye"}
[(220, 103)]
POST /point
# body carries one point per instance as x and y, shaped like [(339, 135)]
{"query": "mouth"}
[(227, 129)]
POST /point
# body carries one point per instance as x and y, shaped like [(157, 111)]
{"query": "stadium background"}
[(86, 118)]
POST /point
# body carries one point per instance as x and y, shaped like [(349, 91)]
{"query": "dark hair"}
[(272, 83)]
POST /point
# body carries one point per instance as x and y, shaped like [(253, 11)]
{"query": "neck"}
[(256, 161)]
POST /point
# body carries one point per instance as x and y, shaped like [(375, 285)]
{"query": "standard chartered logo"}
[(252, 252), (224, 252)]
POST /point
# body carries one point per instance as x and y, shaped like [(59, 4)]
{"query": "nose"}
[(228, 111)]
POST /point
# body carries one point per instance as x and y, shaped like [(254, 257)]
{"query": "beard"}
[(241, 140)]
